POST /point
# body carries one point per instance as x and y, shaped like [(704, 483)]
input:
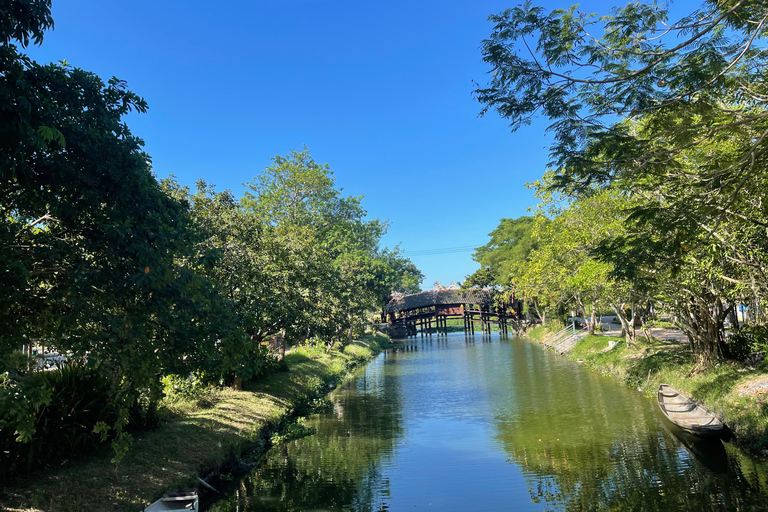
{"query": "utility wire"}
[(443, 250)]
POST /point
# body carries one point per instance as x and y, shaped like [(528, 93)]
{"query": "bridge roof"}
[(441, 297)]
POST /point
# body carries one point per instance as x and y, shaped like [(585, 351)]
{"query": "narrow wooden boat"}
[(687, 414), (179, 499)]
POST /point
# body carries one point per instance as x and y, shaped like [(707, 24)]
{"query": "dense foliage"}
[(138, 278), (74, 419), (670, 118)]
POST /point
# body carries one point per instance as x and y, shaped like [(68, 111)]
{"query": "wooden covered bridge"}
[(429, 311)]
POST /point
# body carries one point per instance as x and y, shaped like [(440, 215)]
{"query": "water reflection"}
[(339, 468), (479, 423), (586, 443)]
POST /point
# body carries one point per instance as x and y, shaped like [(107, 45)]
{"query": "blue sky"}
[(379, 91)]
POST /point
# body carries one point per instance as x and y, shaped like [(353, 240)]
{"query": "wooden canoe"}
[(179, 499), (688, 414)]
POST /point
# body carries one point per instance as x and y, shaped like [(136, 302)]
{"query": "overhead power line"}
[(443, 250)]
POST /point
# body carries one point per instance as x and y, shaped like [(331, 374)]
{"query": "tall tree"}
[(510, 244), (671, 111), (97, 260), (296, 197)]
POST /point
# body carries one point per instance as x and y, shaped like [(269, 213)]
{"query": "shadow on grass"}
[(717, 387), (294, 358), (669, 355), (167, 458)]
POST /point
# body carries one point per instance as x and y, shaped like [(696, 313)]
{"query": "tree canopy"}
[(137, 278), (671, 114)]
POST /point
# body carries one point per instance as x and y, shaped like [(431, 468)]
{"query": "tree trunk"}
[(734, 316), (584, 311), (627, 327), (702, 322)]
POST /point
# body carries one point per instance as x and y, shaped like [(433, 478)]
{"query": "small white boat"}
[(179, 499), (688, 414)]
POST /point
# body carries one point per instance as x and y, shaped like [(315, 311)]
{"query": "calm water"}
[(472, 424)]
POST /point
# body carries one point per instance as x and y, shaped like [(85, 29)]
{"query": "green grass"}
[(197, 438), (538, 333), (542, 332), (648, 365), (596, 346)]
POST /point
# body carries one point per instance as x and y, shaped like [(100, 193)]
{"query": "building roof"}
[(441, 297)]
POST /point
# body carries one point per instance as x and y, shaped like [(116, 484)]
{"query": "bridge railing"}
[(568, 342), (560, 335)]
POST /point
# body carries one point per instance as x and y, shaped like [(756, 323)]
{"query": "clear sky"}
[(381, 91)]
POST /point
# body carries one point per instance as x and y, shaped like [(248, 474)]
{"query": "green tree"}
[(345, 272), (511, 243), (673, 112), (97, 260)]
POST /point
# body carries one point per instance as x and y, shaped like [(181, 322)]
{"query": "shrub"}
[(748, 339), (54, 415), (292, 431), (258, 361), (193, 388)]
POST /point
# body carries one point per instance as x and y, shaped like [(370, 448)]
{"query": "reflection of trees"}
[(339, 467), (584, 443)]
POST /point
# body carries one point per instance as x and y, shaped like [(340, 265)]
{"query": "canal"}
[(457, 423)]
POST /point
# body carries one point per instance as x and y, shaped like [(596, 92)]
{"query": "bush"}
[(747, 340), (257, 362), (55, 415), (193, 388), (292, 431)]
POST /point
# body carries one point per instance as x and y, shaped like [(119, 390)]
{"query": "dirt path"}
[(660, 333)]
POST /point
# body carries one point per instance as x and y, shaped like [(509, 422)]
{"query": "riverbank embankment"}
[(736, 391), (219, 432)]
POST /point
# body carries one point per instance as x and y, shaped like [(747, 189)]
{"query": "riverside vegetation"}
[(654, 202), (655, 197), (737, 392), (204, 431), (141, 282)]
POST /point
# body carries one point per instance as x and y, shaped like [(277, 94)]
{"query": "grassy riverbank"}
[(199, 437), (735, 391)]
